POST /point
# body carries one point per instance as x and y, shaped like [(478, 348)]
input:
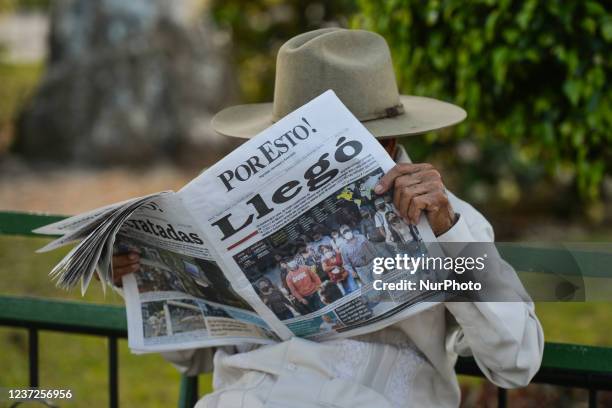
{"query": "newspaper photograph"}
[(300, 228)]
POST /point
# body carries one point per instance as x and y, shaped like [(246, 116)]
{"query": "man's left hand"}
[(418, 187)]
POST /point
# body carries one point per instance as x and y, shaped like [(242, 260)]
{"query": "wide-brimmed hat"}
[(357, 66)]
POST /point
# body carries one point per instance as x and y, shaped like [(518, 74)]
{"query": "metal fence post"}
[(33, 356), (502, 397), (113, 367)]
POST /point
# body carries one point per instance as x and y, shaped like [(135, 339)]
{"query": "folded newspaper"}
[(276, 240)]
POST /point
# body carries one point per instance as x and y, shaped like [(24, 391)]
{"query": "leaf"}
[(500, 64), (594, 8), (571, 88)]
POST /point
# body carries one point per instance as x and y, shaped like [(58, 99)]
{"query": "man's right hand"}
[(124, 264)]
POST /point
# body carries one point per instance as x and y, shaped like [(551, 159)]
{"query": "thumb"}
[(386, 181)]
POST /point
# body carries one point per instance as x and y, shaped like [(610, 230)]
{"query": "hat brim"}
[(421, 115)]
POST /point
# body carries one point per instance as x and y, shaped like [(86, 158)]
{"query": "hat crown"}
[(355, 64)]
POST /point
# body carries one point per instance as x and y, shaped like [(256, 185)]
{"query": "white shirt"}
[(408, 364)]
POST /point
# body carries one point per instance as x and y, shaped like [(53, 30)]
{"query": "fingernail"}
[(378, 189)]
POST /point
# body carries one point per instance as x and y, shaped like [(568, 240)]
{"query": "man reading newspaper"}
[(409, 363)]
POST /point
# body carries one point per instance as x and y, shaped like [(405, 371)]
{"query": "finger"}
[(407, 194), (423, 176), (417, 206), (430, 175), (403, 185), (397, 198), (387, 181), (408, 180), (124, 264), (125, 270), (430, 202), (404, 203), (125, 259)]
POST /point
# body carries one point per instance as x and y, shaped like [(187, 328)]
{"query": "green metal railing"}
[(566, 365), (33, 315)]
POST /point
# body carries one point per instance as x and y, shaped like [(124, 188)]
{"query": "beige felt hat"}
[(356, 65)]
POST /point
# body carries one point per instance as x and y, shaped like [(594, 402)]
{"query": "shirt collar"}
[(401, 156)]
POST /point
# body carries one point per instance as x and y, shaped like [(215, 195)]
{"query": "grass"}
[(80, 362)]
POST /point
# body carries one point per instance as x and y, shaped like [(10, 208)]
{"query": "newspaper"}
[(180, 298), (276, 240)]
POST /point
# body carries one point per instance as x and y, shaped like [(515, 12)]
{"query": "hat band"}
[(390, 112)]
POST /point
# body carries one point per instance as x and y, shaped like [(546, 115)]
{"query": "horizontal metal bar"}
[(562, 358), (565, 377), (62, 315), (577, 357), (587, 261), (64, 328), (21, 223)]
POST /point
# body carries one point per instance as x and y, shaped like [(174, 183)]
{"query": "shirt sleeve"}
[(191, 362), (505, 338)]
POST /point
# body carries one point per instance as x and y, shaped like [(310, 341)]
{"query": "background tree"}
[(259, 27), (534, 75)]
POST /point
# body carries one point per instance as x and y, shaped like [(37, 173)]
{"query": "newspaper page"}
[(180, 299), (292, 217), (74, 223), (80, 263)]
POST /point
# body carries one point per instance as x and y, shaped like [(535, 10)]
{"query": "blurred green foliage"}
[(533, 75), (259, 27), (18, 82), (24, 5)]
